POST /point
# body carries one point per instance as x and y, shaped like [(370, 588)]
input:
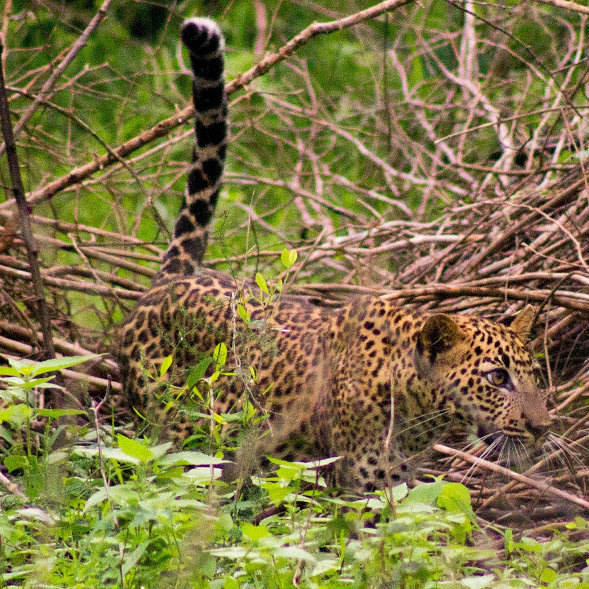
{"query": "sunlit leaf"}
[(261, 282), (134, 449), (220, 355), (57, 413), (288, 258), (255, 532), (165, 365), (60, 363)]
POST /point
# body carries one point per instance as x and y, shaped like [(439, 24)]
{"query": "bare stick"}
[(567, 5), (23, 212), (541, 486)]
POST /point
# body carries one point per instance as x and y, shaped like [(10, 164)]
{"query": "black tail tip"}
[(201, 35)]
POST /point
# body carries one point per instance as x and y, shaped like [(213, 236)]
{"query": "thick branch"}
[(23, 212)]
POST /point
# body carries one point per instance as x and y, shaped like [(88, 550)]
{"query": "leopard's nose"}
[(536, 414), (538, 427)]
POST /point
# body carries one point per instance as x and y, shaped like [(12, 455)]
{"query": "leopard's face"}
[(487, 377)]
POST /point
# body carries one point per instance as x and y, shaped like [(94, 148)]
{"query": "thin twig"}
[(567, 5), (45, 91)]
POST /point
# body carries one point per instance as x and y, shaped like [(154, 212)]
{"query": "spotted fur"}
[(368, 382)]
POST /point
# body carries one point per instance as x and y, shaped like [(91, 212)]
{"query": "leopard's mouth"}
[(510, 449), (498, 437)]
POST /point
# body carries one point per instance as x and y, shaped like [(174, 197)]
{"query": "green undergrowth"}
[(108, 510)]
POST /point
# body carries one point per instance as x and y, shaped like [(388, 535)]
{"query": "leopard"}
[(369, 381)]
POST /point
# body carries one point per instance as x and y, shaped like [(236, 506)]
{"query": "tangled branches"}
[(434, 155)]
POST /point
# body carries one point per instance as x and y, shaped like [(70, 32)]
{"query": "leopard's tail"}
[(206, 45)]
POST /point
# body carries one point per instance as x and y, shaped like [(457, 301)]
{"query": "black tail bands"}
[(203, 38)]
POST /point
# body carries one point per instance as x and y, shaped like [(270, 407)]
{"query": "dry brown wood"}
[(541, 486), (24, 216)]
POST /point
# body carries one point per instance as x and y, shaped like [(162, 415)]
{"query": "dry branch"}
[(541, 486), (24, 213)]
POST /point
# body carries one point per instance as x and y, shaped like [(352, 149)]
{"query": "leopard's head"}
[(484, 375)]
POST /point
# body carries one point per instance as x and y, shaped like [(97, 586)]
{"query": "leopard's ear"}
[(439, 334), (523, 322)]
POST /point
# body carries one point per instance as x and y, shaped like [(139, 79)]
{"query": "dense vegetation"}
[(434, 154)]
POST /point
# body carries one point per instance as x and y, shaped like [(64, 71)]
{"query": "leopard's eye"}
[(498, 377)]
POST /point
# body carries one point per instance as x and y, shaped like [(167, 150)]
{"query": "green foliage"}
[(129, 513)]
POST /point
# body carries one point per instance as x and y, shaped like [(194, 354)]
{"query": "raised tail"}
[(204, 40)]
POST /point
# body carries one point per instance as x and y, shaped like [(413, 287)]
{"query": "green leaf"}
[(455, 497), (255, 532), (288, 258), (243, 313), (130, 560), (15, 462), (261, 282), (165, 366), (220, 355), (224, 523), (134, 449), (416, 71), (58, 457), (198, 372), (398, 492), (192, 458), (61, 363), (9, 371), (425, 493), (107, 452), (233, 552), (293, 552), (39, 383), (201, 475), (578, 524), (508, 540), (207, 564), (276, 492), (530, 545), (548, 575), (218, 418), (57, 413), (230, 583), (16, 413), (95, 499), (160, 450), (24, 367), (325, 565)]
